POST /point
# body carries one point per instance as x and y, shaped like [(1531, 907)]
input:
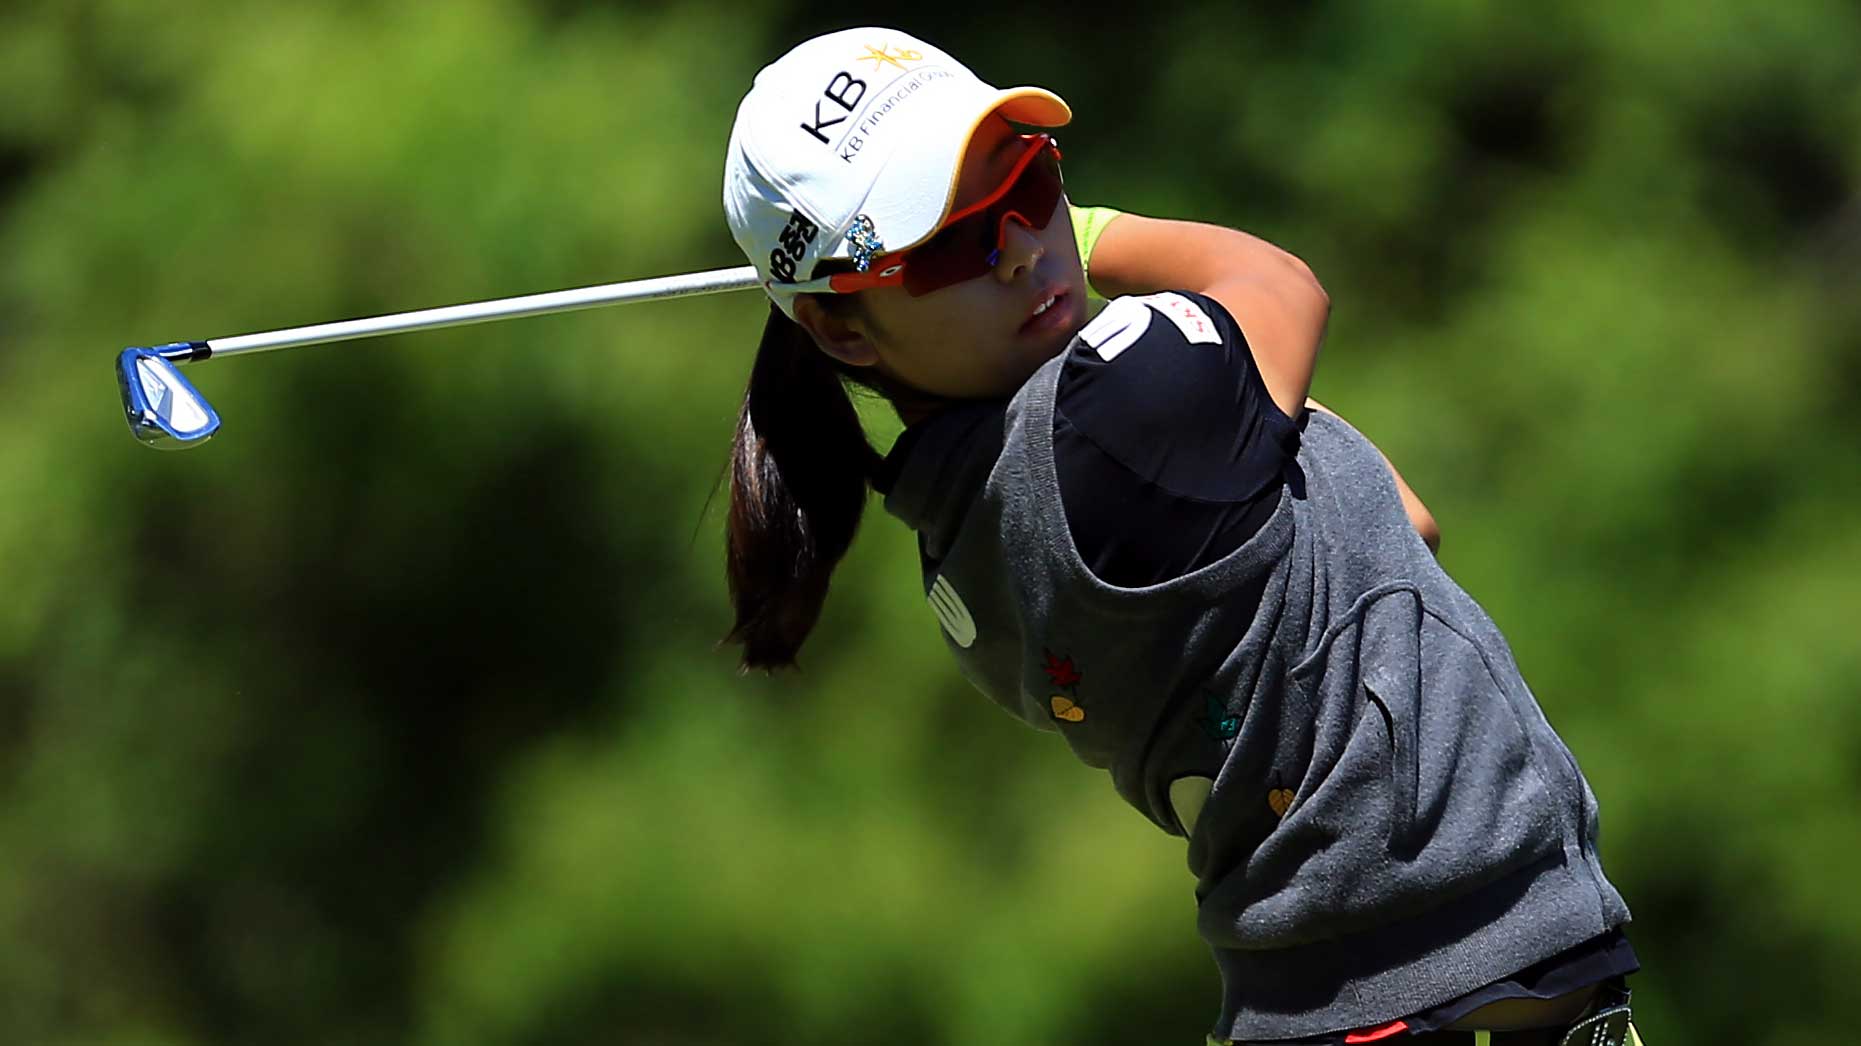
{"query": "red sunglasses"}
[(969, 243)]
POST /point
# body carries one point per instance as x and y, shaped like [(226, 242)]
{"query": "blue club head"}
[(163, 409)]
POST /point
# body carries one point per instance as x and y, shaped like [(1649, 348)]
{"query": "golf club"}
[(166, 411)]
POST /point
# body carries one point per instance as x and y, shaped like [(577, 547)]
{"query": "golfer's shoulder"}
[(1157, 355), (1167, 319)]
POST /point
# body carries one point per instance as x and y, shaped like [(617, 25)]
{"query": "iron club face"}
[(163, 410)]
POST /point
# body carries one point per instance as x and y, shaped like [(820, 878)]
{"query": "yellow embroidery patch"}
[(1064, 708), (1280, 799)]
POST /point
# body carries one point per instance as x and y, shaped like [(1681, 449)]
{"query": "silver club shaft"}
[(712, 282)]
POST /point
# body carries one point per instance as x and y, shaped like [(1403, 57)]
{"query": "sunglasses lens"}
[(962, 250)]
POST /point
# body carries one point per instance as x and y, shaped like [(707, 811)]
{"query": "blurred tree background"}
[(393, 715)]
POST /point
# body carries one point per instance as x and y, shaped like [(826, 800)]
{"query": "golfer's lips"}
[(1046, 307)]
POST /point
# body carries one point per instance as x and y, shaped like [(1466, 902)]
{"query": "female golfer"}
[(1137, 531)]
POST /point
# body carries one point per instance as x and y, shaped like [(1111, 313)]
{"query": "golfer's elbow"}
[(1277, 270), (1306, 283), (1306, 299), (1293, 281)]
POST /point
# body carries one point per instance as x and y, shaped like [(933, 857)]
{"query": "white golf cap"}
[(864, 124)]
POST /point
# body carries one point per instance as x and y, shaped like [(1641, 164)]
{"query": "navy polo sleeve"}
[(1169, 449)]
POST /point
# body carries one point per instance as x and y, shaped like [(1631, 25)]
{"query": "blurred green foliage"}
[(393, 715)]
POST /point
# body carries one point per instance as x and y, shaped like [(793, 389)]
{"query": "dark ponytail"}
[(799, 470)]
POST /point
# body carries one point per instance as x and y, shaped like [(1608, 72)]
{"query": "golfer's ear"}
[(834, 334)]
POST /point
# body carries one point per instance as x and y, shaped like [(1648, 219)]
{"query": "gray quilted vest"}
[(1379, 817)]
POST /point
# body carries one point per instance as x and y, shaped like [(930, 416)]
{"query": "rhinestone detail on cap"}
[(863, 237)]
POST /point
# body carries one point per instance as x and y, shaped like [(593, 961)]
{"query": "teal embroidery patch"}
[(1216, 720)]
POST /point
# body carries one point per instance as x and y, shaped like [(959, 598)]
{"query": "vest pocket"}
[(1404, 769), (1468, 796), (1424, 781)]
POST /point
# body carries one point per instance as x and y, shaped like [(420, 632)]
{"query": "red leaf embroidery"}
[(1061, 670)]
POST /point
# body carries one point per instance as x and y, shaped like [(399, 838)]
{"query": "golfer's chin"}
[(1031, 358)]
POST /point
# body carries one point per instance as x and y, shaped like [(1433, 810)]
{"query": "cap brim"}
[(1029, 105), (914, 192)]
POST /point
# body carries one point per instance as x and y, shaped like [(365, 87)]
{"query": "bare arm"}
[(1423, 520), (1279, 304)]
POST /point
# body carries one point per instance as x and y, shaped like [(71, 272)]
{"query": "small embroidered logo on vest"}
[(1065, 706), (951, 613)]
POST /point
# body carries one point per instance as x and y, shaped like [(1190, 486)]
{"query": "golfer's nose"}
[(1020, 248)]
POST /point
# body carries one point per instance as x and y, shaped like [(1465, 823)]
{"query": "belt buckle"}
[(1607, 1023)]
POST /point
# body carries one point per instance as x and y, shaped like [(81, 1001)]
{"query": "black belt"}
[(1604, 1023)]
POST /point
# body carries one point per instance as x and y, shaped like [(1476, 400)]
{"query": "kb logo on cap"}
[(845, 90)]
